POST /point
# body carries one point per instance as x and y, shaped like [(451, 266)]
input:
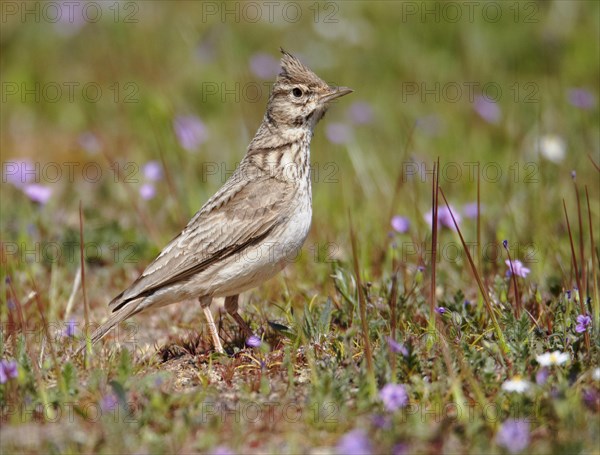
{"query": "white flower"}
[(516, 384), (552, 358), (553, 148), (596, 374)]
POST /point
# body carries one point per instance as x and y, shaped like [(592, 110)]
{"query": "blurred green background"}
[(511, 85)]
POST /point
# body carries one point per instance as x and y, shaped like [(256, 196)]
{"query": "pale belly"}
[(253, 266)]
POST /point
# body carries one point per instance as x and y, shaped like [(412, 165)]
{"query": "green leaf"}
[(69, 375), (325, 318), (119, 391)]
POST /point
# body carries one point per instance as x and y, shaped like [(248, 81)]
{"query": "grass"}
[(330, 323)]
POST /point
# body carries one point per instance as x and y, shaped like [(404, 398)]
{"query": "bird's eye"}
[(297, 92)]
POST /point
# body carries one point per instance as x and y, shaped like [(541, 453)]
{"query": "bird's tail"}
[(115, 318)]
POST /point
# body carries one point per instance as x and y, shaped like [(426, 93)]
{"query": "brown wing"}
[(243, 212)]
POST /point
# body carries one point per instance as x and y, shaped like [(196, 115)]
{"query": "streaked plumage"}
[(246, 232)]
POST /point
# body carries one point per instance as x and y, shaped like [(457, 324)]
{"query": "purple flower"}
[(253, 341), (19, 172), (70, 330), (205, 51), (444, 217), (542, 375), (38, 193), (222, 450), (109, 402), (191, 132), (397, 348), (583, 321), (505, 244), (470, 210), (591, 398), (488, 110), (381, 421), (513, 435), (152, 171), (581, 98), (264, 66), (70, 17), (568, 294), (440, 310), (11, 369), (394, 396), (360, 112), (147, 191), (89, 142), (338, 133), (355, 442), (8, 370), (401, 449), (430, 125), (519, 268), (400, 224)]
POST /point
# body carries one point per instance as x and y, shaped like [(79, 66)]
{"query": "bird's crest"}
[(294, 71)]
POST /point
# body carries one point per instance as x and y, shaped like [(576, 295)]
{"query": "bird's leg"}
[(212, 328), (231, 306)]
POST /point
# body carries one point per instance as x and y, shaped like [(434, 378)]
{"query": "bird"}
[(254, 224)]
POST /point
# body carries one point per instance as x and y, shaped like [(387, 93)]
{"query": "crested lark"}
[(246, 232)]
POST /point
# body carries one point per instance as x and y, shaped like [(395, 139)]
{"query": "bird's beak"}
[(335, 92)]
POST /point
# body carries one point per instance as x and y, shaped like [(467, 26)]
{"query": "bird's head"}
[(299, 97)]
